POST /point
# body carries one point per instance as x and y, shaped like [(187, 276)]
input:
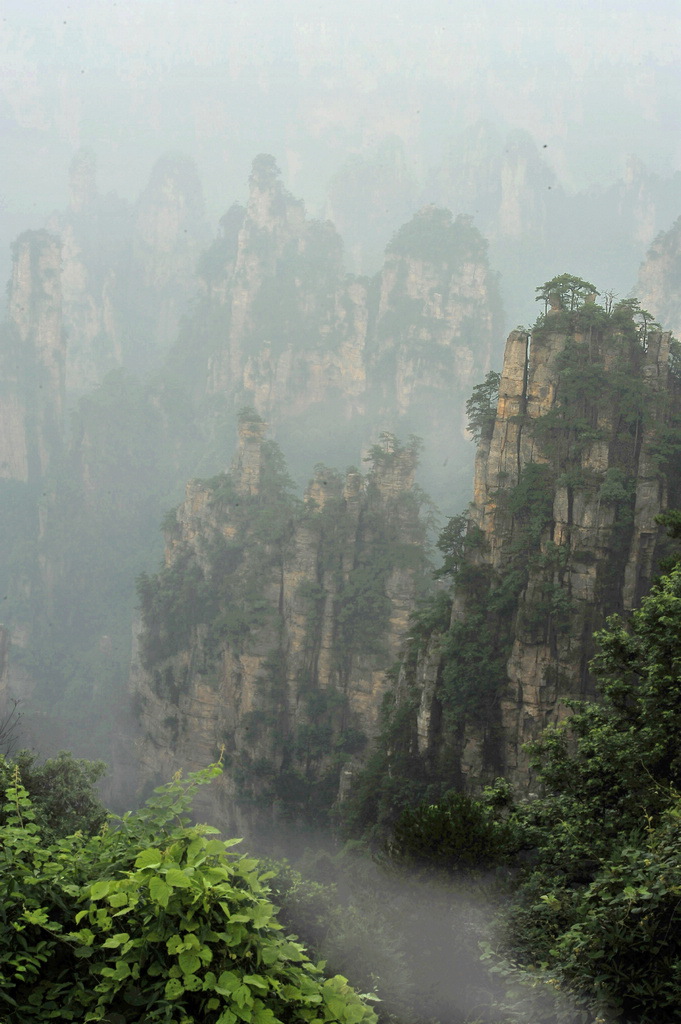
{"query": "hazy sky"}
[(314, 82)]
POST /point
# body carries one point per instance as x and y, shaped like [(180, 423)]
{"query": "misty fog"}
[(258, 257)]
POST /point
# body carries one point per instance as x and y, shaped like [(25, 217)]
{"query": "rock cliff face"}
[(659, 279), (128, 271), (32, 361), (270, 629), (276, 324), (286, 331), (569, 479), (435, 308)]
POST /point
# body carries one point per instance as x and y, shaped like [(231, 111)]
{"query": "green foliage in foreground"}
[(601, 906), (150, 920)]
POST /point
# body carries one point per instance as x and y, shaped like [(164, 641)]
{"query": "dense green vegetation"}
[(61, 789), (587, 916), (434, 235), (148, 920), (606, 834)]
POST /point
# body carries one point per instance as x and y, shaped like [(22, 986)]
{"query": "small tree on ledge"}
[(566, 292)]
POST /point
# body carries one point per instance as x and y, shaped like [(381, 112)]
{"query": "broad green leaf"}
[(192, 982), (206, 954), (336, 1006), (242, 996), (263, 1015), (291, 993), (99, 889), (227, 983), (189, 962), (215, 875), (354, 1013), (174, 989), (177, 879), (150, 858), (262, 915), (214, 847), (196, 851), (159, 891), (256, 981), (292, 951), (175, 944)]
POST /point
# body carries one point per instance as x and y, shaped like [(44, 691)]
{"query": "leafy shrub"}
[(599, 904), (456, 834), (61, 790), (151, 920)]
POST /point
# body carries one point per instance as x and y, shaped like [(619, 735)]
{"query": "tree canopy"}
[(566, 291), (481, 407), (600, 904)]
